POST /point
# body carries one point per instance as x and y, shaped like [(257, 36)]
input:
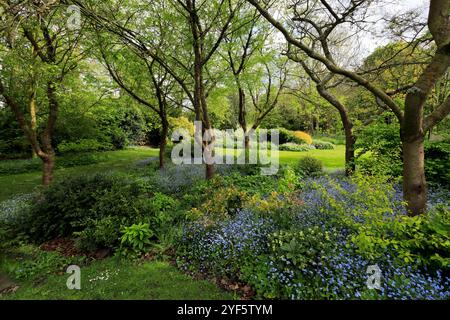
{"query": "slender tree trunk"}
[(243, 119), (350, 141), (348, 129), (414, 182), (163, 143), (200, 104)]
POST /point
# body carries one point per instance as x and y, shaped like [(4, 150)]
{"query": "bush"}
[(296, 147), (437, 158), (323, 145), (94, 209), (303, 136), (136, 239), (286, 136), (83, 145), (309, 166), (381, 141)]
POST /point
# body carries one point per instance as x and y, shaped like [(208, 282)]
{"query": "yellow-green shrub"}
[(303, 136)]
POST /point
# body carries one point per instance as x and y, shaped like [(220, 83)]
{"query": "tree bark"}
[(163, 143), (414, 182), (243, 119), (48, 169), (350, 141), (350, 138), (210, 171)]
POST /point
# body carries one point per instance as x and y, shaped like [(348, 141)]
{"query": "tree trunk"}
[(33, 119), (350, 140), (163, 143), (348, 129), (48, 168), (414, 182), (210, 171)]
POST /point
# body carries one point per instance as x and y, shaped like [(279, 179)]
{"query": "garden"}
[(98, 203)]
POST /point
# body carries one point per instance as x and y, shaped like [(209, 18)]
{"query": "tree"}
[(413, 123), (200, 29), (323, 85), (35, 39), (143, 80)]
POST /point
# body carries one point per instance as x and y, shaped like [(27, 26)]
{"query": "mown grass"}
[(125, 161), (118, 161), (115, 279)]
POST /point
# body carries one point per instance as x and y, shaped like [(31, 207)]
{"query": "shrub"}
[(323, 145), (309, 166), (322, 249), (136, 238), (287, 136), (381, 141), (94, 209), (296, 147), (437, 158), (303, 136), (181, 123), (83, 145)]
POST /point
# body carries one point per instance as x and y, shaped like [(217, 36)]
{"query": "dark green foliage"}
[(12, 141), (381, 140), (286, 136), (437, 160), (309, 166), (94, 209), (323, 145)]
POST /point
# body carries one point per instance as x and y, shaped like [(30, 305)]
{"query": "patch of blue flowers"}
[(222, 248), (242, 247)]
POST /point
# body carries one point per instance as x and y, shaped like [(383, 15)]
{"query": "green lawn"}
[(119, 161), (125, 160), (117, 279), (332, 159)]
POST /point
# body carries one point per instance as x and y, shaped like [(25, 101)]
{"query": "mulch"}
[(6, 284), (67, 248)]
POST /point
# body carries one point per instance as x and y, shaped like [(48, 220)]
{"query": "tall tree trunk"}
[(200, 103), (414, 182), (163, 143), (243, 119)]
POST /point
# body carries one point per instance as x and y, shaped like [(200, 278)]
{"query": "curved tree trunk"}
[(350, 139)]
